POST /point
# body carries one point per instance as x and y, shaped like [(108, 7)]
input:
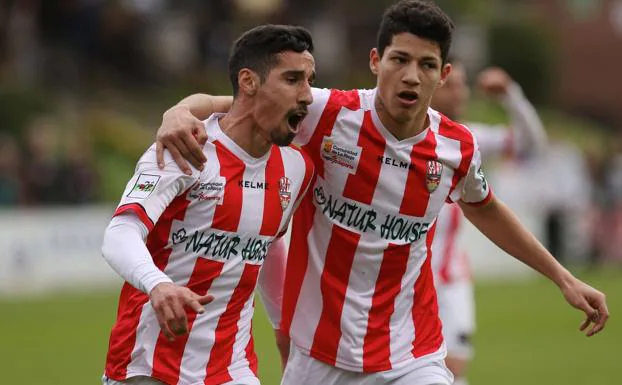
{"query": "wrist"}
[(563, 279)]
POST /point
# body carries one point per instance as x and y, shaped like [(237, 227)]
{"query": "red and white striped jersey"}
[(359, 291), (209, 232), (450, 262)]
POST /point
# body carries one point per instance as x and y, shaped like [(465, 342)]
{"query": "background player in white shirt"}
[(176, 237), (359, 302), (525, 136)]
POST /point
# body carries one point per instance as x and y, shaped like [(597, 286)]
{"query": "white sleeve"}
[(271, 280), (473, 188), (125, 251), (528, 135), (308, 125), (151, 190)]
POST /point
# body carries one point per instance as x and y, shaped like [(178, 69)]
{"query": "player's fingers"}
[(204, 299), (200, 134), (195, 151), (179, 325), (165, 315), (585, 324), (160, 154), (601, 320), (195, 305), (179, 159)]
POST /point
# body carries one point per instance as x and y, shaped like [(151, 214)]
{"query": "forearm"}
[(497, 222), (527, 128), (203, 105), (125, 251)]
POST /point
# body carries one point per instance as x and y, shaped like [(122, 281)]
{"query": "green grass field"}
[(526, 335)]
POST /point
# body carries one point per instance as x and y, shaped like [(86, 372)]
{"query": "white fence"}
[(59, 248)]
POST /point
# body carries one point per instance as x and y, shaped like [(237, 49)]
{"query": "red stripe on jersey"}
[(376, 348), (450, 243), (272, 210), (297, 260), (131, 301), (308, 179), (137, 209), (336, 101), (361, 185), (168, 355), (333, 285), (483, 202), (227, 328), (416, 193), (250, 350), (458, 132), (428, 334), (227, 214)]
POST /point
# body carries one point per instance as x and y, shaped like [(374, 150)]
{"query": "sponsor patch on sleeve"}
[(144, 186)]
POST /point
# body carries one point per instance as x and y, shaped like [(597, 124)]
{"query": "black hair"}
[(257, 49), (421, 18)]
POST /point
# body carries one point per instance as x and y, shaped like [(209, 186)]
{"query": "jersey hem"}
[(441, 353)]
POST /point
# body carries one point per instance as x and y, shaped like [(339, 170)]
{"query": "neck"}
[(240, 126), (402, 130)]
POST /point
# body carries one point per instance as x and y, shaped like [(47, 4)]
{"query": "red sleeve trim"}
[(483, 202), (137, 209)]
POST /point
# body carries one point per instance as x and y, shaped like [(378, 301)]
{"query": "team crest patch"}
[(434, 169), (285, 193), (144, 186)]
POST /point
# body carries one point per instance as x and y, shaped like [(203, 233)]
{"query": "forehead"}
[(295, 61), (414, 45)]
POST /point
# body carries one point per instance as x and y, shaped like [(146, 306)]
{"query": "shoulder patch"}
[(144, 186)]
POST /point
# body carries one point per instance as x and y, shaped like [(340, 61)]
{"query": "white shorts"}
[(456, 307), (144, 380), (304, 370)]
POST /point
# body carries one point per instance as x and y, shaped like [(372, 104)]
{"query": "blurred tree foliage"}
[(525, 49)]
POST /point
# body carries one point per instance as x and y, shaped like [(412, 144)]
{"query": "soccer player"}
[(524, 137), (358, 296), (184, 241)]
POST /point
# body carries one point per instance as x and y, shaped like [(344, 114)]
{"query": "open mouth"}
[(408, 96), (294, 119)]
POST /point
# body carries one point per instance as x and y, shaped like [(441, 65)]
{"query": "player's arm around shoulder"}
[(498, 223), (182, 131)]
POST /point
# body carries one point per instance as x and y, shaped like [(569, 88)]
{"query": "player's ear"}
[(248, 82), (445, 71), (374, 60)]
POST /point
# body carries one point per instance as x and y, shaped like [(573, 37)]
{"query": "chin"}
[(283, 141)]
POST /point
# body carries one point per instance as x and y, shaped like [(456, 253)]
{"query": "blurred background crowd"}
[(83, 85)]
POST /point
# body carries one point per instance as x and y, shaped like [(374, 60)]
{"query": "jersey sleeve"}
[(473, 188), (310, 122), (151, 190)]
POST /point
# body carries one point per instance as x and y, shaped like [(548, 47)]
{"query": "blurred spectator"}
[(78, 175), (10, 183), (42, 169)]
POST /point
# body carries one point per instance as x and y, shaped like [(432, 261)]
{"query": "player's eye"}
[(399, 60)]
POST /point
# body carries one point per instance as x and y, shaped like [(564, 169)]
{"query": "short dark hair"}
[(419, 17), (257, 49)]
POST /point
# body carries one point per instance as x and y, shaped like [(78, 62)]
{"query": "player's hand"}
[(282, 342), (169, 302), (591, 301), (494, 82), (184, 136)]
